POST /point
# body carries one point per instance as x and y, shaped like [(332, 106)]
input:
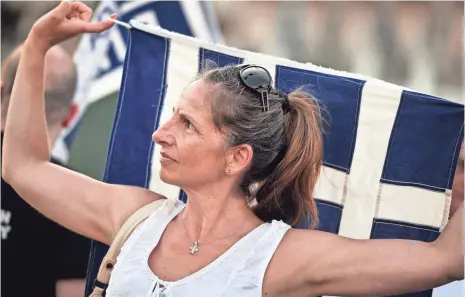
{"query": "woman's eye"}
[(188, 125)]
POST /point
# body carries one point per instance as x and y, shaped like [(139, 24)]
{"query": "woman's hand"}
[(65, 21)]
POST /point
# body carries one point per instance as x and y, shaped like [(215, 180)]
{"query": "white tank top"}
[(237, 272)]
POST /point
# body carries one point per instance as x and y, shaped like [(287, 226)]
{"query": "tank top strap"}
[(249, 275), (153, 227)]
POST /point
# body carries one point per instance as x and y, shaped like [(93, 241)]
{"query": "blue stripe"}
[(383, 229), (330, 215), (219, 58), (341, 98), (137, 115), (424, 142), (139, 107)]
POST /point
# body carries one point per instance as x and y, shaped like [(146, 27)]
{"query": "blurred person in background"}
[(39, 257)]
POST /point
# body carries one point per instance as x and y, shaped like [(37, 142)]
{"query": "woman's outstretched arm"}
[(84, 205), (313, 263)]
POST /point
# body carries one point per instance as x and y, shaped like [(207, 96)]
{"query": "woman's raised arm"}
[(86, 206)]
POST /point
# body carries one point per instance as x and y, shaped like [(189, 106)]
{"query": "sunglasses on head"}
[(259, 79)]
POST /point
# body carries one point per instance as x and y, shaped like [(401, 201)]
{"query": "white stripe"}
[(412, 205), (183, 64), (374, 130), (446, 211), (330, 185), (196, 19)]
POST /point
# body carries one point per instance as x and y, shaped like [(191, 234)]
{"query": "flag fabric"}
[(99, 57), (389, 152), (99, 60)]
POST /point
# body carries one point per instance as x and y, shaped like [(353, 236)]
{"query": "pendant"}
[(194, 247)]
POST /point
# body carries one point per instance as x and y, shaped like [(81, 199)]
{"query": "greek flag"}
[(389, 153)]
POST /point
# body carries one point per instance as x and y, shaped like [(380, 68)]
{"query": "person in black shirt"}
[(39, 257)]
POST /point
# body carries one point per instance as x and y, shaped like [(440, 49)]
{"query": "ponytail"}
[(286, 141), (287, 193)]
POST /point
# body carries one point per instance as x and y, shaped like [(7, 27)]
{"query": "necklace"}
[(196, 244)]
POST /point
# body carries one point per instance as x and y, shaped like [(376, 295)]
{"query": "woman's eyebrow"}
[(190, 118), (185, 115)]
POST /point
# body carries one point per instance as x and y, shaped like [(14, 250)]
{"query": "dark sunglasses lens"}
[(255, 77)]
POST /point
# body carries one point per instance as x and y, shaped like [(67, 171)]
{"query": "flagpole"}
[(126, 25)]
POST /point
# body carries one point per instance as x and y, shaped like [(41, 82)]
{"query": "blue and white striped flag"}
[(389, 154), (99, 57)]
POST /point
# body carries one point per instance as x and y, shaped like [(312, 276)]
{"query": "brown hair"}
[(287, 148)]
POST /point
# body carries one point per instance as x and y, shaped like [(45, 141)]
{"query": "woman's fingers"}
[(98, 27), (84, 11), (64, 8), (67, 20)]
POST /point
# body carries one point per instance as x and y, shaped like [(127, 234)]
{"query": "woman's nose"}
[(162, 136)]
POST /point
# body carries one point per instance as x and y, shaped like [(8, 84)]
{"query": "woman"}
[(228, 133)]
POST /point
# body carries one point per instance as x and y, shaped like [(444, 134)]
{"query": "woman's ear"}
[(238, 159)]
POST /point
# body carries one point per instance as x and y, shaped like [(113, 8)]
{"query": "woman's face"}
[(192, 147)]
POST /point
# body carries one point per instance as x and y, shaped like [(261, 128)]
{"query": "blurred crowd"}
[(415, 44)]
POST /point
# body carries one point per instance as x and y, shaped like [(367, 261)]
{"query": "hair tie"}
[(286, 105)]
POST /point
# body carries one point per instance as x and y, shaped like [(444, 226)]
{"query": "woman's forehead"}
[(195, 97)]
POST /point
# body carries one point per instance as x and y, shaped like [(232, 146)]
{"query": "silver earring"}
[(228, 171)]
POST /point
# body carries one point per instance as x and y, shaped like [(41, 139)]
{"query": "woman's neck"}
[(209, 217)]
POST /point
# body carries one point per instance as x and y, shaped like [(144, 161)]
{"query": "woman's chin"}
[(167, 178)]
